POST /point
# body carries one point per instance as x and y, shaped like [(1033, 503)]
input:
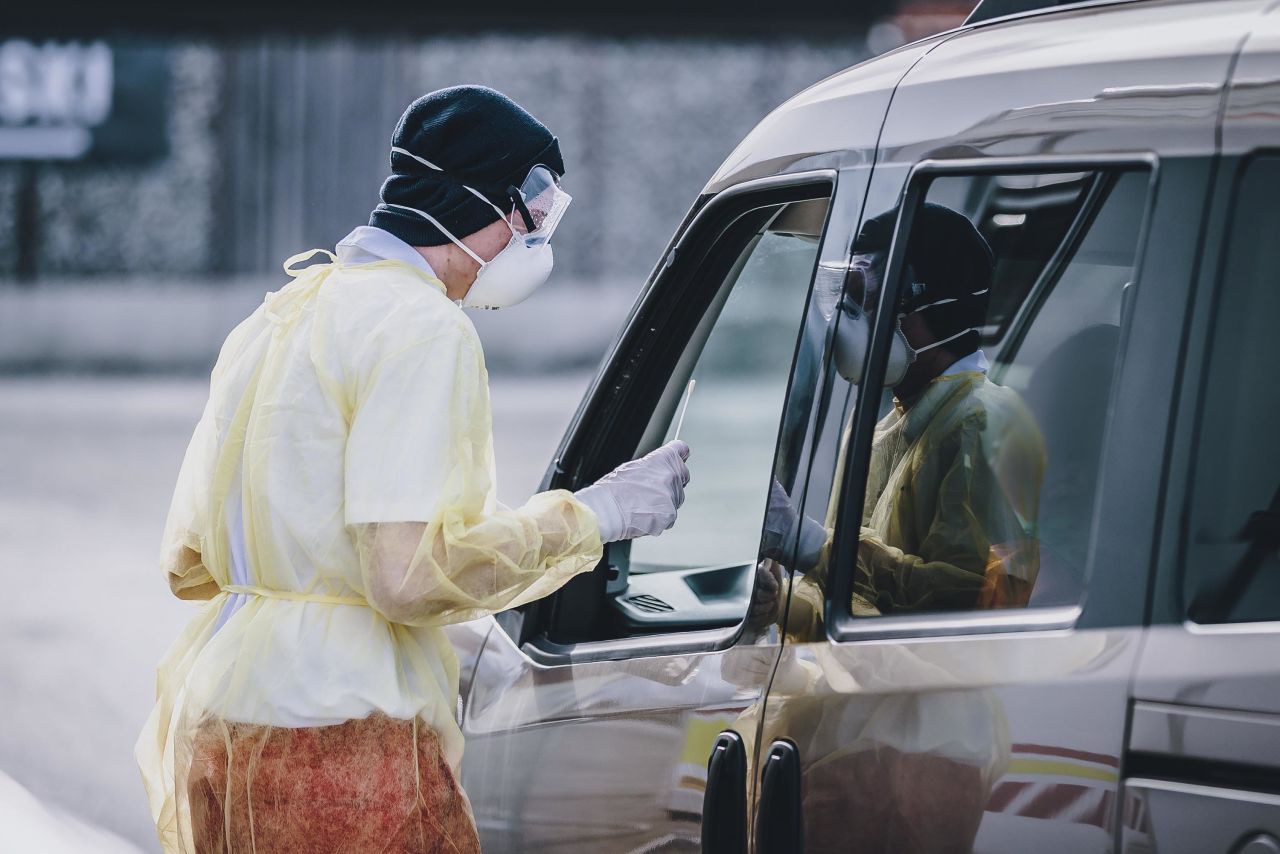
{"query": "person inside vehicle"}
[(952, 493)]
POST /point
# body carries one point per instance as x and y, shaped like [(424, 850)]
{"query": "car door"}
[(971, 727), (590, 717), (1000, 726), (1205, 742)]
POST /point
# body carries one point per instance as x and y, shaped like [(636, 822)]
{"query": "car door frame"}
[(592, 444)]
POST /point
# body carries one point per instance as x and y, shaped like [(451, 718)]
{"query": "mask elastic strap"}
[(946, 340), (424, 161), (479, 195), (942, 302), (429, 218), (929, 305)]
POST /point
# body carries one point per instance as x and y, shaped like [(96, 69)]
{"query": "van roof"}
[(1002, 79)]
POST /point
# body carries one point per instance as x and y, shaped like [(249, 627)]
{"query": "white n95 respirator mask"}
[(853, 337), (853, 334), (853, 327), (525, 263), (512, 276)]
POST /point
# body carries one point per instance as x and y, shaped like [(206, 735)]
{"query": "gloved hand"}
[(781, 521), (640, 498), (875, 554), (766, 597)]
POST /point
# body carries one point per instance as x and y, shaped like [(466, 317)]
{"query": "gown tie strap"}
[(294, 595)]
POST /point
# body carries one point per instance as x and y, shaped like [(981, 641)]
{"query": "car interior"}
[(1065, 247), (699, 575)]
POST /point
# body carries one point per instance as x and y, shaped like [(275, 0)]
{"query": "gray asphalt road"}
[(86, 471)]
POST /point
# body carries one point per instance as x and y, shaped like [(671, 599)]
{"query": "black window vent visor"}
[(652, 604)]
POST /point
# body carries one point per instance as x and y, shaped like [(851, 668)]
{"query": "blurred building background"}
[(156, 182), (265, 147), (156, 169)]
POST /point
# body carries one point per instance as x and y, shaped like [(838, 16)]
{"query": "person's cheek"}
[(916, 331)]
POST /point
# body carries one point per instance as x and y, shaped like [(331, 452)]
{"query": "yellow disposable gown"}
[(337, 502), (952, 498), (948, 523), (950, 509)]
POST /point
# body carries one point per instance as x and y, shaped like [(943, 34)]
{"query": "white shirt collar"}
[(975, 361), (367, 243)]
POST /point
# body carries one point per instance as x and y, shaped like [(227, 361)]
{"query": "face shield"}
[(859, 301), (852, 286), (538, 205), (863, 284)]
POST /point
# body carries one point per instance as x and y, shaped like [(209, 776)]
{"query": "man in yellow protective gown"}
[(336, 508)]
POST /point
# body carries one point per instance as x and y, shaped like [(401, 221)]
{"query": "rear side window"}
[(1026, 219), (1232, 573), (983, 473)]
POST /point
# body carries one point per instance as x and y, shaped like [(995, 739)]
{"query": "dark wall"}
[(278, 144)]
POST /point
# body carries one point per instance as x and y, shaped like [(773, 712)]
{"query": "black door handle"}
[(724, 806), (780, 820)]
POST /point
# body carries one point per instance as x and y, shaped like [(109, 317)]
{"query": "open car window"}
[(700, 574), (979, 471)]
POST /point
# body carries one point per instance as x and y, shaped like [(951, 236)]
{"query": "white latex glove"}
[(780, 531), (640, 498), (766, 597), (780, 521)]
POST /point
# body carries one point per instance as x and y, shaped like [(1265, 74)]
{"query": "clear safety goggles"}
[(860, 283), (538, 205), (864, 284)]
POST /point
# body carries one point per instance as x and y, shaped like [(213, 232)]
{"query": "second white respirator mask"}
[(525, 263), (853, 331), (853, 328), (853, 335)]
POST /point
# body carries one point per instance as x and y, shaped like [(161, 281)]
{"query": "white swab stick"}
[(688, 393)]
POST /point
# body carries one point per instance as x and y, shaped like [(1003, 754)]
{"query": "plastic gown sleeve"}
[(958, 536), (434, 546), (183, 541)]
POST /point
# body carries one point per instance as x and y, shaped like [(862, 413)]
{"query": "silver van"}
[(1111, 682)]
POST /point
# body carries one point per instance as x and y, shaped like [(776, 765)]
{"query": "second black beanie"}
[(478, 138)]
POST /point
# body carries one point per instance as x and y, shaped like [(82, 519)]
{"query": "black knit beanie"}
[(481, 139), (951, 259)]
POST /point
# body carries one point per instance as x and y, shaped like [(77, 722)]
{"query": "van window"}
[(1026, 220), (983, 472), (1235, 501), (700, 573)]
